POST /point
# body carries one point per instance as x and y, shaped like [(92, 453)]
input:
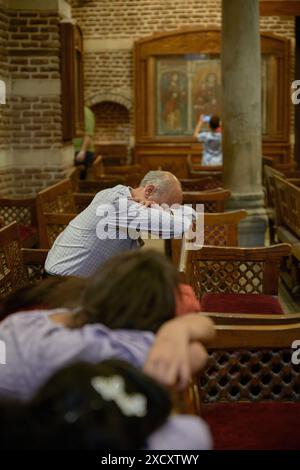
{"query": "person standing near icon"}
[(211, 138)]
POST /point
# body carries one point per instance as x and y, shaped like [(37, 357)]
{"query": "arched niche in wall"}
[(113, 126), (177, 76)]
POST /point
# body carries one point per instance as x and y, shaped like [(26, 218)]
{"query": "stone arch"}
[(123, 99)]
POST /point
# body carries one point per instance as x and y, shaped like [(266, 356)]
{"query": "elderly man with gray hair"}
[(114, 221)]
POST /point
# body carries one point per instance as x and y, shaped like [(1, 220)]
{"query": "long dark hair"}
[(53, 292), (134, 290), (68, 413)]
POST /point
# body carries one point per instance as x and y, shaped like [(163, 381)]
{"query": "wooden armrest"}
[(274, 252), (83, 197), (32, 256), (18, 202), (252, 319), (59, 219)]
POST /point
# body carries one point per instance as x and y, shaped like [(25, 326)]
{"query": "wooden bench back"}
[(12, 272), (214, 200), (250, 359), (287, 205), (131, 174), (220, 229), (200, 184), (234, 269), (23, 211), (73, 176), (56, 207), (18, 266), (269, 174), (57, 199)]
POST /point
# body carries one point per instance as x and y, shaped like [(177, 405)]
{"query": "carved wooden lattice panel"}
[(19, 274), (12, 272), (53, 231), (62, 203), (5, 288), (244, 277), (51, 206), (20, 214), (210, 206), (66, 202), (250, 375), (80, 206), (216, 235), (214, 183), (4, 269)]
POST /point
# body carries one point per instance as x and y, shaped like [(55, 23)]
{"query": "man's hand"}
[(80, 157)]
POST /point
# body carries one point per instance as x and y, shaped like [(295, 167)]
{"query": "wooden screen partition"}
[(72, 80), (178, 77)]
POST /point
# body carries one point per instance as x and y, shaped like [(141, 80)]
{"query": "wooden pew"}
[(24, 212), (113, 154), (249, 392), (196, 170), (288, 229), (199, 184), (214, 200), (18, 266), (220, 229), (96, 181), (131, 173), (233, 279), (92, 186), (270, 198), (57, 206)]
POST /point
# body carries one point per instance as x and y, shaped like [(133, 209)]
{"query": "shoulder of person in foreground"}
[(181, 432)]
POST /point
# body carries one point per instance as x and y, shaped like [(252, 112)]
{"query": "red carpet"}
[(249, 426)]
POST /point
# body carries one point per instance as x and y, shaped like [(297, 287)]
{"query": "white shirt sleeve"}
[(136, 219)]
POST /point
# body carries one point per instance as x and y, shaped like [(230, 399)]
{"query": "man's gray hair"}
[(160, 179)]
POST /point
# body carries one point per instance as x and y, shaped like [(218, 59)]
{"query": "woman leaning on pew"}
[(126, 311)]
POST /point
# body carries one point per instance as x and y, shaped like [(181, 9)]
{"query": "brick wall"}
[(33, 48), (138, 18), (28, 181), (36, 122), (33, 114), (3, 74), (112, 70), (6, 178), (112, 122)]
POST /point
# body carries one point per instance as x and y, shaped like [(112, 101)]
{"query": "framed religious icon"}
[(178, 77), (72, 80), (186, 86)]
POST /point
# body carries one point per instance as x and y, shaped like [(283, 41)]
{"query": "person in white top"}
[(212, 139)]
